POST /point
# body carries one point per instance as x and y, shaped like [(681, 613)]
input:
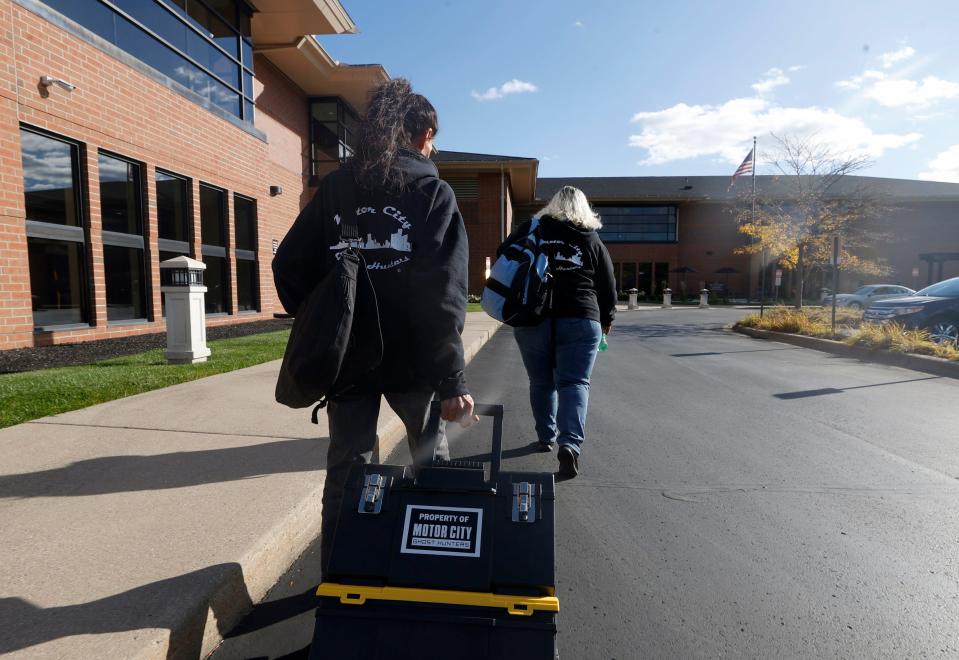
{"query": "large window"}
[(202, 44), (173, 219), (55, 233), (213, 239), (332, 131), (244, 219), (638, 224), (124, 265)]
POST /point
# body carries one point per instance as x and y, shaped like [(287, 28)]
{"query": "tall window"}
[(638, 224), (332, 130), (202, 44), (244, 219), (213, 247), (173, 218), (123, 261), (55, 233)]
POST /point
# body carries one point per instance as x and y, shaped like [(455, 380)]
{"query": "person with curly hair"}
[(413, 241)]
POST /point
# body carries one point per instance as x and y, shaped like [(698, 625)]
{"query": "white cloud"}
[(896, 92), (513, 86), (944, 167), (772, 78), (724, 131), (856, 82), (892, 58), (797, 67), (578, 24)]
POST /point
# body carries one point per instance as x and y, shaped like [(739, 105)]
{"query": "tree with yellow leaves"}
[(808, 201)]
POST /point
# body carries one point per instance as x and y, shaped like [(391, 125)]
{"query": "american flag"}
[(745, 168)]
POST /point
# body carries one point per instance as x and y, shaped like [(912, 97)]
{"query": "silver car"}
[(864, 296)]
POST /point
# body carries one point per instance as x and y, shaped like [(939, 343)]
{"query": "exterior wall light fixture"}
[(275, 190), (46, 81)]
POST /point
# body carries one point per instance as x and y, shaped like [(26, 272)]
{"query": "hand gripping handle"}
[(483, 410)]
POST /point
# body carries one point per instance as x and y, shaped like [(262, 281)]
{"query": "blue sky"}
[(639, 88)]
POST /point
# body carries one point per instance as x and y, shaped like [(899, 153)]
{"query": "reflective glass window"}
[(126, 289), (216, 277), (244, 217), (196, 43), (119, 195), (638, 224), (212, 216), (57, 282), (246, 287), (50, 168), (173, 213)]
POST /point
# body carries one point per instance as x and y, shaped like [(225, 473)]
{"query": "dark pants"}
[(353, 438)]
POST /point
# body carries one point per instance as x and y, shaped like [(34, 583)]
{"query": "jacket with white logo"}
[(584, 285), (416, 252)]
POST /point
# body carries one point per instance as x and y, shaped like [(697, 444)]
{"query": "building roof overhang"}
[(308, 65), (283, 21), (522, 171)]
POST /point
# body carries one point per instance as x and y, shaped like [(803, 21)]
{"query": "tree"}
[(806, 203)]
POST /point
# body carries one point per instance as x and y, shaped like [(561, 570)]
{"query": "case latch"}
[(524, 502), (371, 499)]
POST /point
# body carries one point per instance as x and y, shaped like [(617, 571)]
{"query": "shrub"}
[(817, 323)]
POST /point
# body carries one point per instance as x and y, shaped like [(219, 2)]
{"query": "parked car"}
[(935, 309), (864, 296)]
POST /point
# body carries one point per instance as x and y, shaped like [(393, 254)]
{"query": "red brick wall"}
[(482, 218), (116, 108)]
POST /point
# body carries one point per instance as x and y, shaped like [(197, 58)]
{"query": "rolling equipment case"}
[(440, 562)]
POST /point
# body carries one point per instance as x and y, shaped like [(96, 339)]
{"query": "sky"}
[(651, 88)]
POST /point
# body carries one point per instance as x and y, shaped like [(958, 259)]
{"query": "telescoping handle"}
[(483, 410)]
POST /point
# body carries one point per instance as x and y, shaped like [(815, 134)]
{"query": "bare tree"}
[(809, 201)]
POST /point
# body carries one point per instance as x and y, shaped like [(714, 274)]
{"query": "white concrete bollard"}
[(704, 299), (181, 281), (668, 299), (633, 299)]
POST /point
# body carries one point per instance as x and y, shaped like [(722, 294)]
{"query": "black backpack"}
[(336, 339), (519, 289)]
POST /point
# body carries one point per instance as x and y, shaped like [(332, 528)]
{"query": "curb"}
[(924, 363)]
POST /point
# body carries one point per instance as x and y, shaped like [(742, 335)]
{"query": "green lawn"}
[(473, 307), (33, 394)]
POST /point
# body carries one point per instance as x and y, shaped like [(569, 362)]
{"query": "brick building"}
[(132, 131), (191, 127), (656, 226)]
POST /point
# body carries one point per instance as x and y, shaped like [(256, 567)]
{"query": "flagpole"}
[(762, 272)]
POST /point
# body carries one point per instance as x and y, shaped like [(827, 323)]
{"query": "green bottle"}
[(602, 344)]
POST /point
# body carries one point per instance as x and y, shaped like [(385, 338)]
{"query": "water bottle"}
[(603, 345)]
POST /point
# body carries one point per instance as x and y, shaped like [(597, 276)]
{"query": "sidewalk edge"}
[(923, 363)]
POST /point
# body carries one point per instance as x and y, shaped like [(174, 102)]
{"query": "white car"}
[(864, 296)]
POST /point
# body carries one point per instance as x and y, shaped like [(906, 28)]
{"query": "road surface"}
[(738, 498)]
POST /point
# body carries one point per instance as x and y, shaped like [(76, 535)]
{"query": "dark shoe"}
[(544, 447), (568, 462)]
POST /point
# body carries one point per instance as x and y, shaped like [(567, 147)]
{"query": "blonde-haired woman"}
[(559, 352)]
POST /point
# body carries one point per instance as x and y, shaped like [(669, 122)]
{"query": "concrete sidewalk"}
[(146, 527)]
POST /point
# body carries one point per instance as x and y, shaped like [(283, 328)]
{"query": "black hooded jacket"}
[(416, 252), (584, 285)]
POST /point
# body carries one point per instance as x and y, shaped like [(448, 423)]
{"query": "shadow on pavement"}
[(156, 605), (123, 474), (659, 330), (516, 452), (754, 350), (803, 394)]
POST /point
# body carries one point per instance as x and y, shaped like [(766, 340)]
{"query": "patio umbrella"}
[(727, 271), (683, 270)]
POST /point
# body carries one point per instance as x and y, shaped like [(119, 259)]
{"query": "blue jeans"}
[(559, 356)]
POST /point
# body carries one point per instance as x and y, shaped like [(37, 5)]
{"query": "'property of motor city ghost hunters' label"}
[(442, 530)]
